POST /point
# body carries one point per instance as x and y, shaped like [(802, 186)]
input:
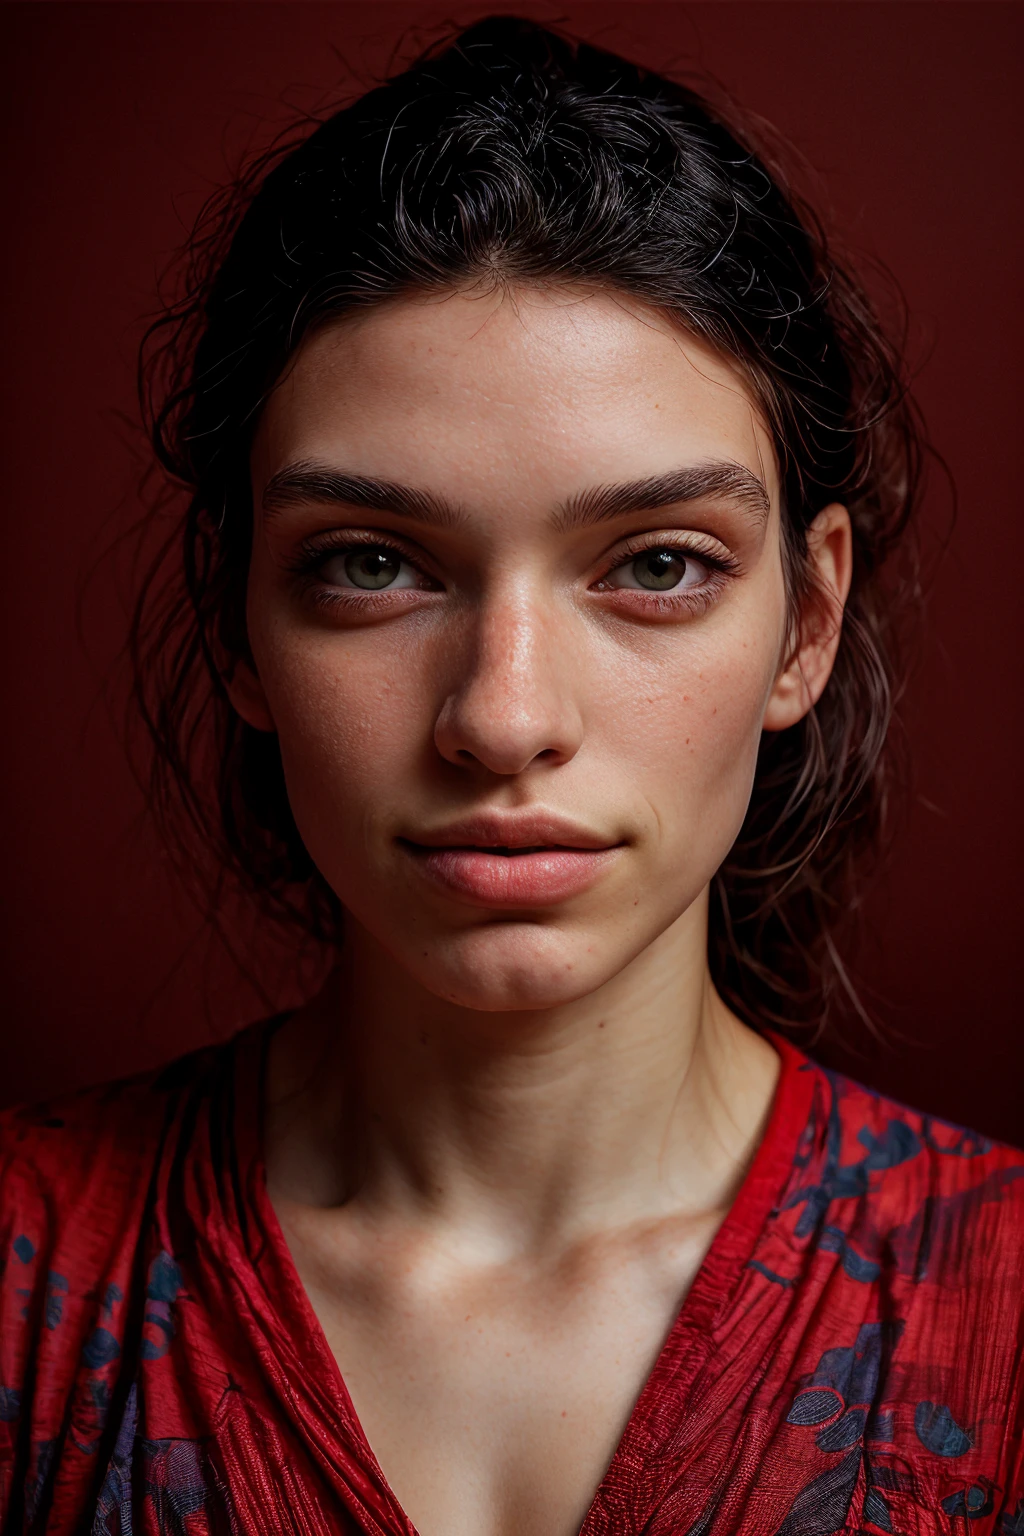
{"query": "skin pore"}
[(516, 584)]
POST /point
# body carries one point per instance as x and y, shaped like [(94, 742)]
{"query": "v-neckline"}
[(684, 1350)]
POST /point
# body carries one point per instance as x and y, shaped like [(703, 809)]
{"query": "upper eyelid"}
[(342, 538), (685, 544), (671, 538), (320, 547)]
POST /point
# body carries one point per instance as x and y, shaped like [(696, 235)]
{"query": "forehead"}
[(527, 392)]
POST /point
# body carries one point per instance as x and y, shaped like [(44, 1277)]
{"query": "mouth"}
[(512, 862)]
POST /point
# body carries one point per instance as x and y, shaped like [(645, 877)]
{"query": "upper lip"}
[(512, 829)]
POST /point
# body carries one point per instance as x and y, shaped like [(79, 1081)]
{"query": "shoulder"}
[(58, 1140), (76, 1171), (898, 1242), (87, 1244), (900, 1157), (928, 1217), (931, 1200), (61, 1144)]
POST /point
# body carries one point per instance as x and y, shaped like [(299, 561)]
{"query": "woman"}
[(535, 447)]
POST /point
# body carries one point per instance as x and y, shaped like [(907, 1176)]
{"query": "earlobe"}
[(801, 681), (245, 691)]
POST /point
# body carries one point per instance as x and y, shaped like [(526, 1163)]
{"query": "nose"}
[(514, 702)]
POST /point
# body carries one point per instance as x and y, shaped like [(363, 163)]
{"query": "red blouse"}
[(850, 1357)]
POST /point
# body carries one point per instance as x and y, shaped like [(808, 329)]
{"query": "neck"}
[(527, 1129)]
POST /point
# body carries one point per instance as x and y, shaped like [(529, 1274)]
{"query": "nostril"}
[(476, 730)]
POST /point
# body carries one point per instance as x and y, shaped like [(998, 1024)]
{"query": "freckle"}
[(601, 1024), (468, 1316)]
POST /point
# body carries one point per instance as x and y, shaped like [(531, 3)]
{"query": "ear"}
[(245, 691), (802, 679)]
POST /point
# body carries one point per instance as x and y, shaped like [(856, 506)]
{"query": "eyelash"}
[(312, 555), (718, 566)]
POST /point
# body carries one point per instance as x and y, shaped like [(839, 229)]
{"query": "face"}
[(517, 614)]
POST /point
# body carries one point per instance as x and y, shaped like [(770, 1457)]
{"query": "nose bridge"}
[(513, 699), (509, 644)]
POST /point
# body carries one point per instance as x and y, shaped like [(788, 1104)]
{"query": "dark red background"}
[(122, 116)]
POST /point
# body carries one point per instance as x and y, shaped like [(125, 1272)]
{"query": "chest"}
[(494, 1396)]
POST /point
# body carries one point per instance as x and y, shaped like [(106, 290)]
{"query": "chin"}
[(511, 967)]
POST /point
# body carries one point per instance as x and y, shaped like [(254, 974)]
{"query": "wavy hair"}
[(515, 155)]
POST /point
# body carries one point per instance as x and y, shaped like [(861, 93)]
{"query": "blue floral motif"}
[(41, 1460), (161, 1291), (970, 1503), (174, 1481), (876, 1510), (769, 1274), (897, 1144), (56, 1290), (821, 1507), (939, 1432), (114, 1506), (100, 1348), (967, 1143), (842, 1400), (164, 1278), (834, 1240), (846, 1431), (815, 1406), (172, 1478), (844, 1391), (1013, 1525)]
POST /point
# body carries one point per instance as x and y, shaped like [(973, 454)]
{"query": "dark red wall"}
[(122, 116)]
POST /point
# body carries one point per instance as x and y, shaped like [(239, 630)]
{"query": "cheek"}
[(352, 718), (686, 725), (693, 710)]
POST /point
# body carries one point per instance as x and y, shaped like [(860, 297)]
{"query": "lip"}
[(519, 859)]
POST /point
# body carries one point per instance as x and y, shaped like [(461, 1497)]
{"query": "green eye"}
[(659, 570), (372, 569)]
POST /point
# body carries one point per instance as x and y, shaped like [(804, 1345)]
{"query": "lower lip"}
[(517, 880)]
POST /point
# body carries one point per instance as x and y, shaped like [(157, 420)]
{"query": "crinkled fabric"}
[(848, 1359)]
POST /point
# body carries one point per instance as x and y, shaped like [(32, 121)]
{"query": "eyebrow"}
[(712, 479), (308, 481)]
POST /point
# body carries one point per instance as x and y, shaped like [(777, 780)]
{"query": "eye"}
[(370, 568), (658, 570)]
